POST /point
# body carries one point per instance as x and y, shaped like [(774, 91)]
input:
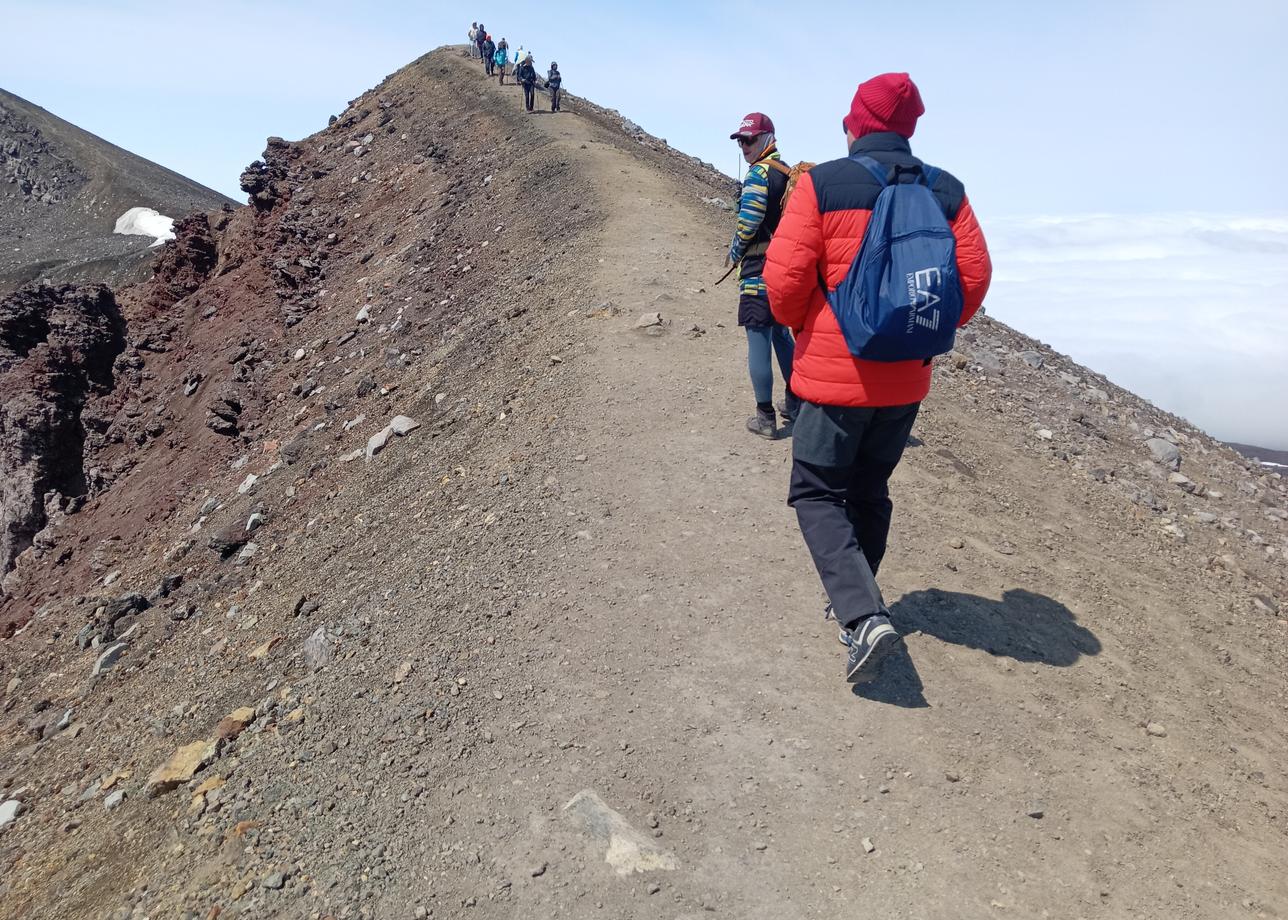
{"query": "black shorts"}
[(753, 310)]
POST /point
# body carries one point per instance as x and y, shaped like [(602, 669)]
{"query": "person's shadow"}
[(1022, 625)]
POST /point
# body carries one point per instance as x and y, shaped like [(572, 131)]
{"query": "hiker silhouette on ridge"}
[(554, 81), (869, 321), (526, 75), (489, 55), (759, 211), (502, 57)]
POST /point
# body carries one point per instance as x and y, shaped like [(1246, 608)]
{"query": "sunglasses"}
[(747, 141)]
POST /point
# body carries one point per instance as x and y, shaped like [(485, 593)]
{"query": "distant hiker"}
[(479, 35), (489, 55), (554, 80), (862, 270), (759, 211), (526, 74), (502, 58), (474, 37)]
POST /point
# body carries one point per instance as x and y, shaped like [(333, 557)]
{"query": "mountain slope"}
[(578, 574), (61, 192)]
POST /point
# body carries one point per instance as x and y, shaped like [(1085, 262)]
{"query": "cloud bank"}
[(1188, 310)]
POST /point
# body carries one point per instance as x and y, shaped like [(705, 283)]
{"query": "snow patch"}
[(146, 222)]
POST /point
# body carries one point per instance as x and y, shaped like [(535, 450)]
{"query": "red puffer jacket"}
[(819, 237)]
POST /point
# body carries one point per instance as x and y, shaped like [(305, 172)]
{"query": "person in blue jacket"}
[(502, 58)]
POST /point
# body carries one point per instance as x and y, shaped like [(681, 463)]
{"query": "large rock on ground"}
[(57, 348)]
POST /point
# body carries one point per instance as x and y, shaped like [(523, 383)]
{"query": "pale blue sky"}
[(1142, 112)]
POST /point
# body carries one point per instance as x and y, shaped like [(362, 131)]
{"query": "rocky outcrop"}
[(58, 344), (28, 164), (265, 181)]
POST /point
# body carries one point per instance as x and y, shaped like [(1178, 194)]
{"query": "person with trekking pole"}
[(489, 55), (759, 210), (526, 74), (502, 57), (554, 80), (877, 261)]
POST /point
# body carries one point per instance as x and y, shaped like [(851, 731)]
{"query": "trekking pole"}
[(727, 274)]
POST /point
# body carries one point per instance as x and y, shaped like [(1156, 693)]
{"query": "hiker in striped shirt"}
[(759, 211)]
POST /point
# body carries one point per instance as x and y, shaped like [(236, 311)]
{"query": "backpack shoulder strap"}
[(931, 175), (879, 172), (776, 164)]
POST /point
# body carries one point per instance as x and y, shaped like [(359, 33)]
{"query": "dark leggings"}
[(529, 94), (554, 99)]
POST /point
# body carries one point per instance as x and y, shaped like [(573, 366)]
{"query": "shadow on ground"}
[(1022, 625)]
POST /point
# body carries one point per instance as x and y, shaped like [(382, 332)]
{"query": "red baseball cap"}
[(752, 125)]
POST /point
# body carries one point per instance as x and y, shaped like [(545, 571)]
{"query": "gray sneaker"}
[(870, 642), (762, 423)]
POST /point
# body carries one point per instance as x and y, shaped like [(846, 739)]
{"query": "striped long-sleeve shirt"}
[(751, 213)]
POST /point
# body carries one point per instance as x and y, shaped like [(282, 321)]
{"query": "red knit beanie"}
[(889, 102)]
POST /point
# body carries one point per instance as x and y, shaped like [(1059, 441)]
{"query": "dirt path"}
[(1001, 768)]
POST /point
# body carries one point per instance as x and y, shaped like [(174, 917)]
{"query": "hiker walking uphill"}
[(759, 212), (861, 268), (480, 35), (501, 58), (489, 54), (526, 74), (554, 81)]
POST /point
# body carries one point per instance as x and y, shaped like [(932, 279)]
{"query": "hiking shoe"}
[(844, 634), (789, 408), (870, 642), (762, 423)]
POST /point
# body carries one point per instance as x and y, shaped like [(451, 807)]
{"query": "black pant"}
[(529, 95), (554, 99), (843, 503), (489, 65)]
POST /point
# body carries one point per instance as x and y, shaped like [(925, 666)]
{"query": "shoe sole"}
[(868, 668)]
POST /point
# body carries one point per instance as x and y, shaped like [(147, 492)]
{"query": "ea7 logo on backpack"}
[(902, 298), (921, 295)]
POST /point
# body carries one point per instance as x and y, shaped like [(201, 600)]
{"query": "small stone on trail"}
[(538, 871), (627, 850), (233, 724), (868, 845), (114, 800), (653, 888), (182, 766), (1035, 811), (318, 649), (1155, 729), (952, 777), (1164, 452), (648, 320), (956, 542), (247, 484), (402, 424), (275, 881), (109, 657), (10, 811)]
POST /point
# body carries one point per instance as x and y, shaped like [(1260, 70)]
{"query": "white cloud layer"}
[(1188, 310)]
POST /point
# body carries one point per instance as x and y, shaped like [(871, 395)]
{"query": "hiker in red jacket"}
[(856, 414)]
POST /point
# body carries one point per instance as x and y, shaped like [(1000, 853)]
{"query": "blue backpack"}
[(902, 298)]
